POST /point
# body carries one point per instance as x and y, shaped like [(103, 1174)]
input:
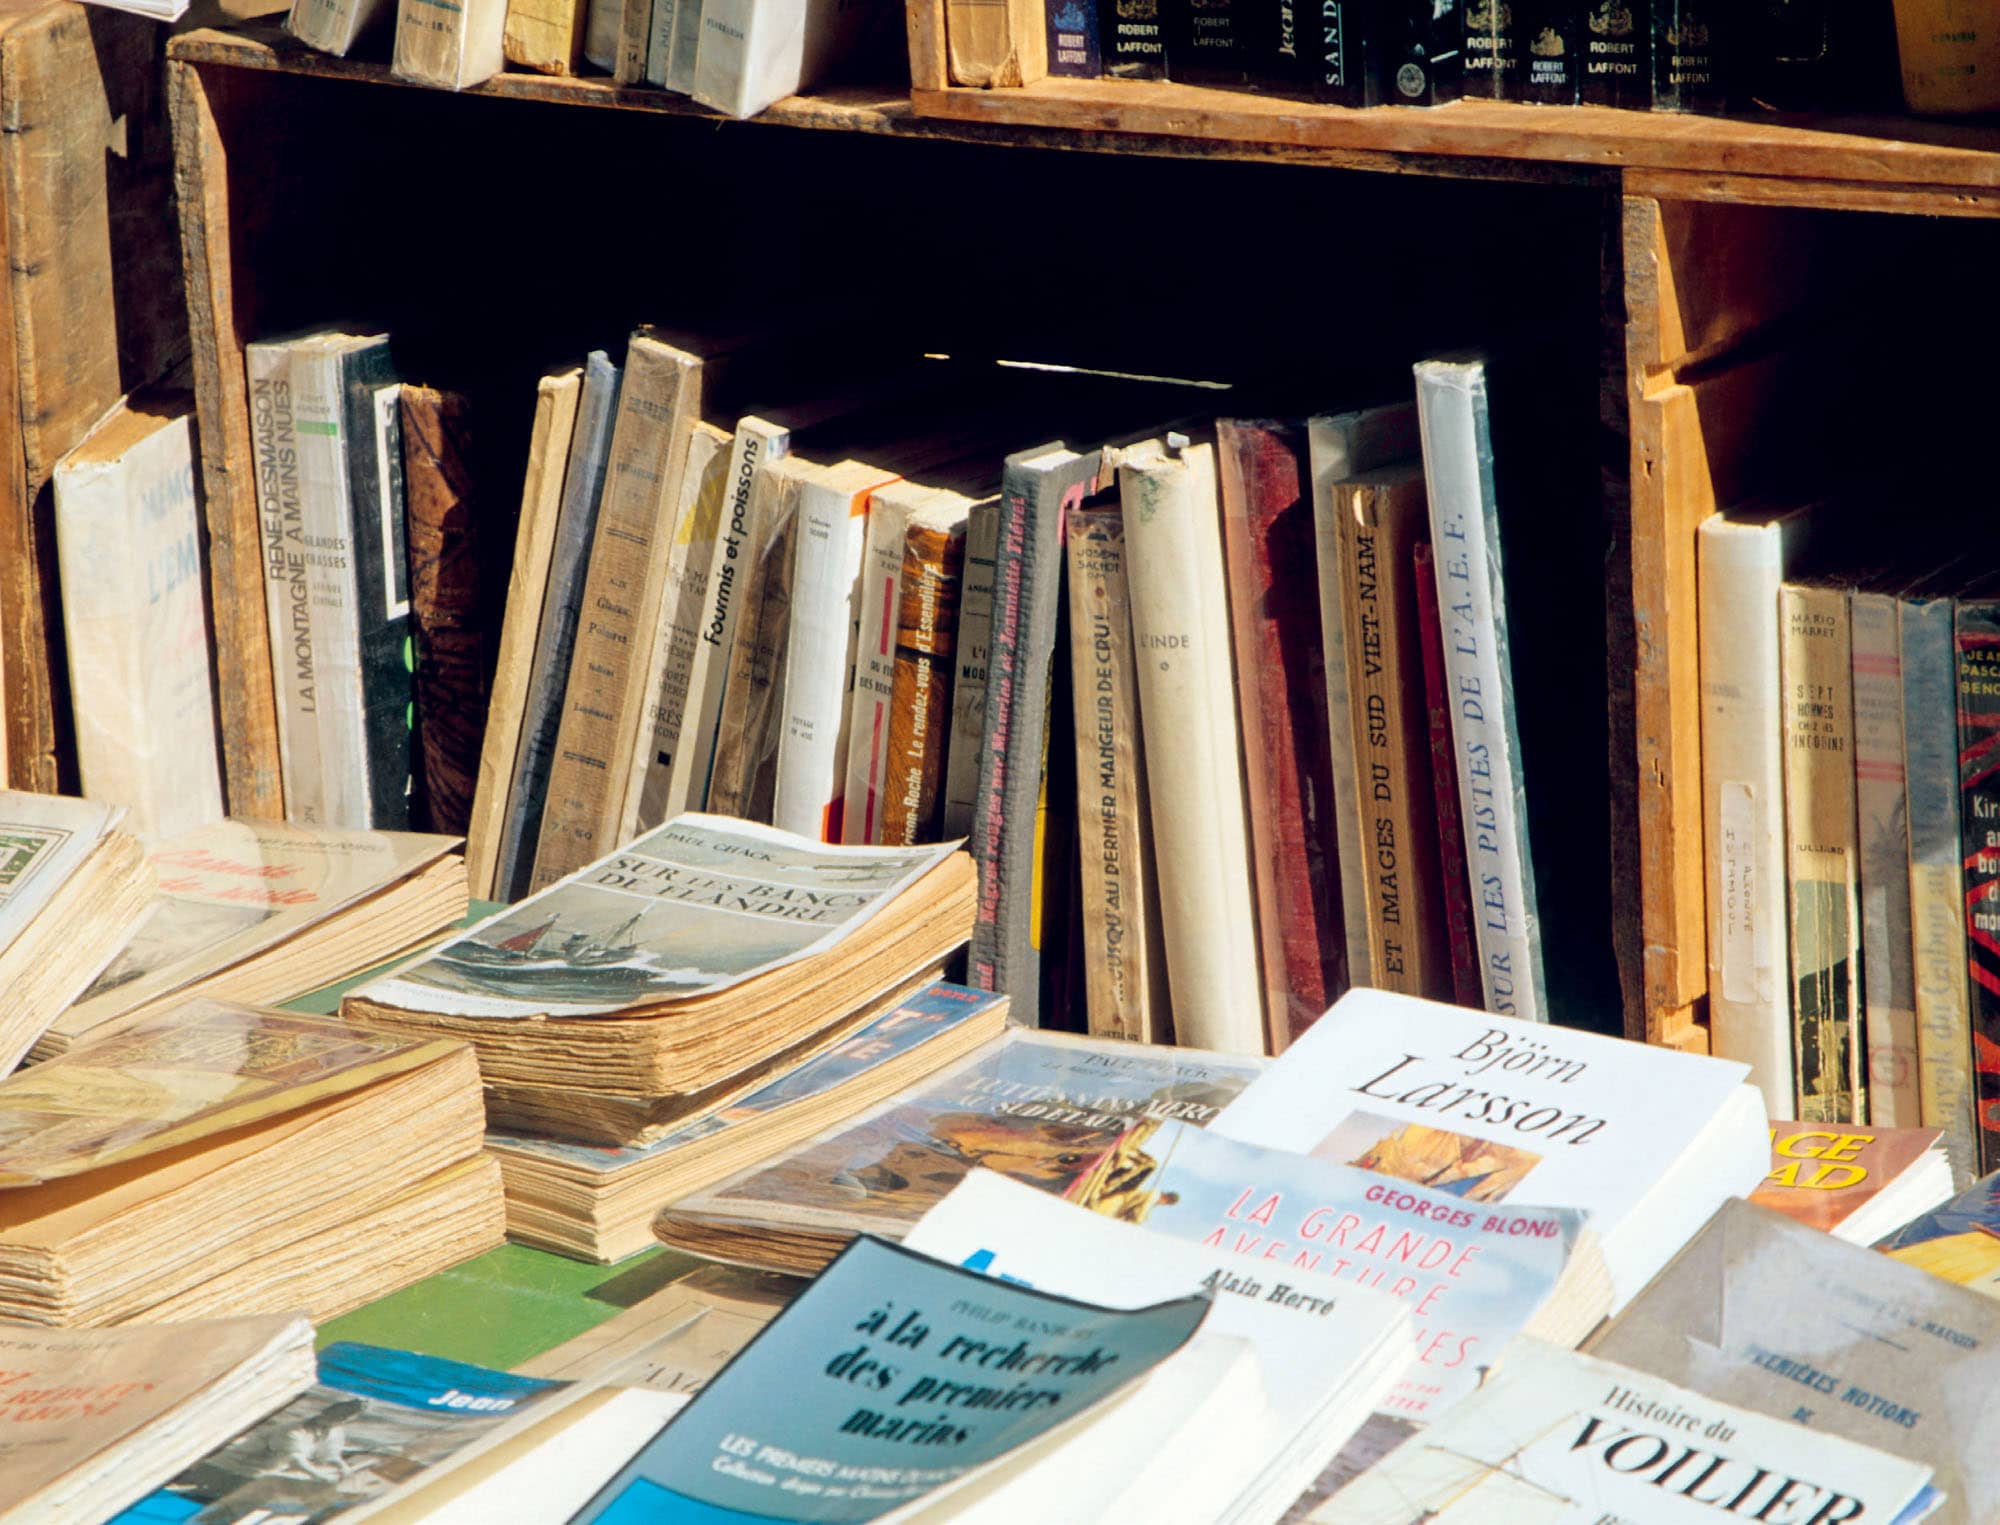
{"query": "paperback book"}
[(1854, 1183)]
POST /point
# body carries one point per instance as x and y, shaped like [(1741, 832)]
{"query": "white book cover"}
[(1740, 565), (453, 44), (754, 53), (1339, 446), (1649, 1141), (1323, 1348), (1558, 1438), (1465, 535), (819, 657), (128, 529)]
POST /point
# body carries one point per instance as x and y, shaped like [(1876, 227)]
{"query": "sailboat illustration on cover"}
[(1435, 1486), (576, 965)]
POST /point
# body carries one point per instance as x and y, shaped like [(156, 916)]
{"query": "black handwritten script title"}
[(1408, 1081)]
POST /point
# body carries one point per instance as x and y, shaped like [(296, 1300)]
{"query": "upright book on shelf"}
[(1977, 629)]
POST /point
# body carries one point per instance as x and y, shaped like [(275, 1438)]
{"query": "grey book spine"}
[(381, 581), (1883, 843), (1937, 920), (541, 717)]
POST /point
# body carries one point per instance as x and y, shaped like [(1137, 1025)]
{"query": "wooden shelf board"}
[(1895, 151)]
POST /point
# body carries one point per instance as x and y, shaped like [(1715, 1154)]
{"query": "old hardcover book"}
[(1821, 853), (1618, 53), (1268, 549), (676, 645), (827, 548), (1423, 61), (995, 42), (660, 41), (715, 944), (546, 35), (454, 44), (1124, 958), (209, 1144), (1340, 47), (1647, 1140), (1073, 39), (752, 55), (881, 1171), (1455, 893), (555, 632), (1342, 445), (447, 604), (1855, 1183), (1133, 43), (556, 398), (1495, 50), (604, 707), (1038, 488), (1882, 841), (382, 601), (1552, 51), (1194, 768), (743, 778), (261, 912), (1742, 559), (757, 442), (1209, 42), (334, 26), (920, 689), (73, 887), (1690, 61), (1383, 515), (890, 512), (684, 54), (604, 20), (1976, 627), (1937, 905), (128, 537), (598, 1203), (1950, 56), (635, 30), (1465, 540), (1768, 1314), (968, 688), (97, 1421)]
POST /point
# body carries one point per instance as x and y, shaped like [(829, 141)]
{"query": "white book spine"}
[(1341, 446), (287, 583), (755, 442), (1194, 767), (453, 44), (660, 43), (756, 52), (127, 546), (1739, 570), (333, 26), (1465, 532), (329, 551), (826, 577), (968, 695), (600, 33), (877, 601)]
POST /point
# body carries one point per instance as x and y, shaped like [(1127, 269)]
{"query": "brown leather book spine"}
[(447, 605), (920, 695), (1460, 945), (1268, 545)]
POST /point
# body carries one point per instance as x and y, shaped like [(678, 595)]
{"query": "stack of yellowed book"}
[(218, 1158), (645, 988), (260, 912)]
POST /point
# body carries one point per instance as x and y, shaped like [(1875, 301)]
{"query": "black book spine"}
[(1340, 51), (1073, 39), (1209, 41), (381, 582), (1688, 56), (1552, 46), (1978, 633), (1617, 54), (1133, 43), (1422, 62), (1493, 52)]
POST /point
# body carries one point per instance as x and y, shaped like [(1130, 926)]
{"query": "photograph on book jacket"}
[(697, 906)]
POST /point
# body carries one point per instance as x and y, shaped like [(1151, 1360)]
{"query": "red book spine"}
[(1465, 987), (1272, 565)]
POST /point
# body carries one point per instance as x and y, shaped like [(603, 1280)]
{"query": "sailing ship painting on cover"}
[(693, 907)]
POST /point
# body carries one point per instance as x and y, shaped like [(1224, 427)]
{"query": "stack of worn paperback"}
[(678, 972), (222, 1159)]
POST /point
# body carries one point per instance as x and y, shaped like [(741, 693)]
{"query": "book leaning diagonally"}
[(1180, 627), (659, 400), (743, 776), (1465, 532)]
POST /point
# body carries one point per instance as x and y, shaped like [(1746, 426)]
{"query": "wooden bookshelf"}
[(1689, 259)]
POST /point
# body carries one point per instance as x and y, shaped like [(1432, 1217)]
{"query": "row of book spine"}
[(1851, 731)]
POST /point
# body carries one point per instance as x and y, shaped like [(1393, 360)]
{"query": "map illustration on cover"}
[(1039, 1107), (698, 905)]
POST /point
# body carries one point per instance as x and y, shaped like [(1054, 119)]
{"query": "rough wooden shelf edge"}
[(1943, 157)]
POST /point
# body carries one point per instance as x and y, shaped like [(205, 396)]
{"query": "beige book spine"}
[(743, 781), (1124, 967), (874, 687), (920, 692), (556, 399), (1188, 722), (996, 42), (545, 35), (1950, 55), (675, 637), (1821, 853), (635, 35), (1381, 520), (333, 26), (453, 44), (604, 704)]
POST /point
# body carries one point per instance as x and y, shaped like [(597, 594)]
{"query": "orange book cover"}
[(1822, 1174)]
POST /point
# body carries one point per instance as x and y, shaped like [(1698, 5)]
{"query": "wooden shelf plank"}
[(1875, 150)]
